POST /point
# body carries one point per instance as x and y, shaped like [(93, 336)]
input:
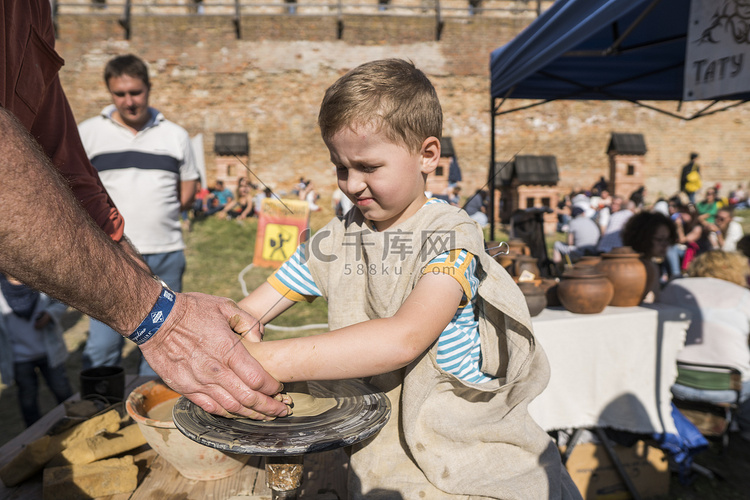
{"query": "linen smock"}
[(447, 438), (459, 350)]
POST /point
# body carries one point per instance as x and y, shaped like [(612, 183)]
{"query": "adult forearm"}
[(49, 242)]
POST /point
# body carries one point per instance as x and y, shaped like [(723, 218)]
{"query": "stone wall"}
[(269, 83)]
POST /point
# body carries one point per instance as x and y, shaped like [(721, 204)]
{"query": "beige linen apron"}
[(446, 438)]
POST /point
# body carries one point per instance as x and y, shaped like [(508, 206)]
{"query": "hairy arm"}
[(368, 348), (54, 246)]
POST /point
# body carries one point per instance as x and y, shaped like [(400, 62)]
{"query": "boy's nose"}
[(355, 182)]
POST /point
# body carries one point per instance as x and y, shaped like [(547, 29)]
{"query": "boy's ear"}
[(430, 154)]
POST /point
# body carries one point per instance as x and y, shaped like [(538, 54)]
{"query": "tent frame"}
[(496, 103)]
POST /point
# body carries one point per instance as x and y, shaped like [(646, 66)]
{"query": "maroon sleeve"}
[(30, 89)]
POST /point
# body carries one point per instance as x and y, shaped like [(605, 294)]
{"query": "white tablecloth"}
[(612, 369)]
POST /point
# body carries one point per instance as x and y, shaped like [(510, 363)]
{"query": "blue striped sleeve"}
[(293, 278)]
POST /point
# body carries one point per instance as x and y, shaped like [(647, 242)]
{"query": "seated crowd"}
[(698, 258), (670, 233)]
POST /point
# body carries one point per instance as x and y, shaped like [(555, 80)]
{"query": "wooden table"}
[(158, 480)]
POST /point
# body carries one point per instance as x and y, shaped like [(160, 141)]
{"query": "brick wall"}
[(270, 82)]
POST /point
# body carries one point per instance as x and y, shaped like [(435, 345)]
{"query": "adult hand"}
[(198, 354)]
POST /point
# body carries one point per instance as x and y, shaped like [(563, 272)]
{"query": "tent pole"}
[(491, 205)]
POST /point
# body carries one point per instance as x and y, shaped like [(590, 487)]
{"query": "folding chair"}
[(714, 420)]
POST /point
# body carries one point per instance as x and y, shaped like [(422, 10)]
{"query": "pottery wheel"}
[(360, 411)]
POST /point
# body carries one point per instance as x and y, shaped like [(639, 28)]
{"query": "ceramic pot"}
[(519, 246), (525, 263), (589, 260), (192, 460), (534, 295), (623, 267), (584, 290)]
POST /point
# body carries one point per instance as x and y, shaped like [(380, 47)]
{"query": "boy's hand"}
[(42, 320)]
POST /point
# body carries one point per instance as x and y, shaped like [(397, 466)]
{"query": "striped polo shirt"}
[(141, 173)]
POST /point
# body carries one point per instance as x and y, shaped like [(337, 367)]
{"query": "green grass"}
[(218, 251)]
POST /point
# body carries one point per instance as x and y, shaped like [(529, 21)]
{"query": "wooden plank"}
[(163, 481), (32, 488), (157, 479)]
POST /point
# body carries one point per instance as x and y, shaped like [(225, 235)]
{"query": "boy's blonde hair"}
[(390, 94), (727, 266)]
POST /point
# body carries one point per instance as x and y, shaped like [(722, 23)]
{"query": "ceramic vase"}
[(518, 246), (584, 290), (623, 267), (192, 460), (534, 295), (525, 263)]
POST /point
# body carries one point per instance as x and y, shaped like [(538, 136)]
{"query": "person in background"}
[(310, 196), (690, 178), (611, 236), (258, 199), (716, 293), (148, 167), (725, 232), (476, 207), (241, 207), (219, 197), (582, 238), (709, 206), (650, 234), (738, 197), (454, 195), (31, 339), (341, 203), (638, 197)]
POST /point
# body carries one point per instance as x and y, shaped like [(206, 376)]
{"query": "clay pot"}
[(192, 460), (534, 295), (525, 263), (519, 246), (584, 290), (623, 267), (589, 260)]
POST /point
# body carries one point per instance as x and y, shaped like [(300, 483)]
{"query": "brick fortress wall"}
[(270, 83)]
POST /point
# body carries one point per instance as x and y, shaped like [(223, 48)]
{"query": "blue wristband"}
[(154, 319)]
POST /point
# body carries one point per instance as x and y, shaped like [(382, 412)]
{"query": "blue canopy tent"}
[(631, 50)]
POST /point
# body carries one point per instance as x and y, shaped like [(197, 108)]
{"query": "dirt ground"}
[(731, 466)]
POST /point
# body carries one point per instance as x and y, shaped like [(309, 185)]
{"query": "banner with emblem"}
[(282, 225), (717, 52)]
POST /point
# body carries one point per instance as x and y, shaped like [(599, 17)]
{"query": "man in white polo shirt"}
[(147, 165)]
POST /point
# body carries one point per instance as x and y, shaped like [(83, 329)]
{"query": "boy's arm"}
[(368, 348), (265, 303)]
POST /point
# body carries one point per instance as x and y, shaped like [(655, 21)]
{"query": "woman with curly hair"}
[(716, 294), (650, 234)]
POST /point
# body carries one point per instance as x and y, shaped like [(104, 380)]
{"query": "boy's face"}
[(383, 179)]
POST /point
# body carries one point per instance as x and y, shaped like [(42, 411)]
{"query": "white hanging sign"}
[(717, 52)]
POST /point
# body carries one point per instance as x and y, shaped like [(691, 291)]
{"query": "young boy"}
[(404, 277)]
